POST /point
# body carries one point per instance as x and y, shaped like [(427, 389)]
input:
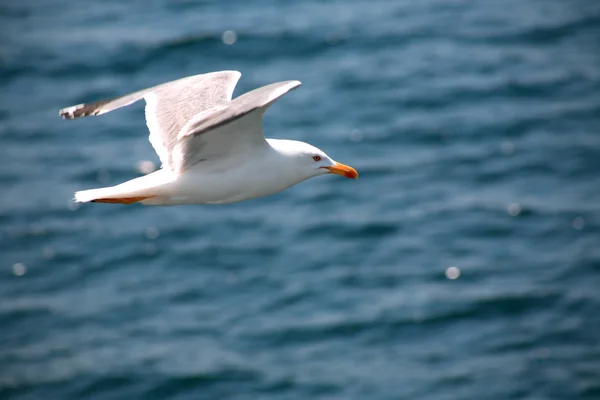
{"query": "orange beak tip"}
[(343, 170)]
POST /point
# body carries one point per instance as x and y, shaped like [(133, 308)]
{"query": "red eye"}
[(317, 158)]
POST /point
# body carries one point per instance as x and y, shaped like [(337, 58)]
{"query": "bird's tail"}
[(86, 196), (113, 194), (139, 189)]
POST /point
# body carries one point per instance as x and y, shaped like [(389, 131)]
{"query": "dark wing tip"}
[(83, 110)]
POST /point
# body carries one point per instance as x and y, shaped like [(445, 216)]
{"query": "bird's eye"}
[(317, 158)]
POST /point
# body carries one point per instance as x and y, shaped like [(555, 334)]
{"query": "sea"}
[(464, 263)]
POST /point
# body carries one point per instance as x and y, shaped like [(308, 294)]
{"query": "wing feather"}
[(169, 106), (194, 119), (224, 129), (256, 100)]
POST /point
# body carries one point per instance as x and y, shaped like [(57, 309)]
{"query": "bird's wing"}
[(169, 106), (227, 130)]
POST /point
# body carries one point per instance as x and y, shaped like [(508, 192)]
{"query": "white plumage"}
[(212, 148)]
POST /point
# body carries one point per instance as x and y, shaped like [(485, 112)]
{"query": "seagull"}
[(212, 148)]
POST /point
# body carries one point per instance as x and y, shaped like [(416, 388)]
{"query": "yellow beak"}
[(344, 170)]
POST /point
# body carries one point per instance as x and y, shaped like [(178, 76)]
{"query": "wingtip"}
[(66, 114), (78, 111), (291, 85), (70, 112)]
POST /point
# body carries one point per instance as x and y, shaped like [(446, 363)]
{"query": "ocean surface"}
[(463, 264)]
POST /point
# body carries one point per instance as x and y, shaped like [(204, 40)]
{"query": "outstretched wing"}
[(169, 106), (229, 129)]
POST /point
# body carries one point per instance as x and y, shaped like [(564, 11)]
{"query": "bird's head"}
[(313, 161)]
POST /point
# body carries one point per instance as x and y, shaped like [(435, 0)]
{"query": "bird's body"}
[(210, 182), (212, 148)]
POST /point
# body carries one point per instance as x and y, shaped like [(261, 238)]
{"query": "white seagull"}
[(212, 148)]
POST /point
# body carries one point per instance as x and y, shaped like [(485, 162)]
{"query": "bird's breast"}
[(241, 181)]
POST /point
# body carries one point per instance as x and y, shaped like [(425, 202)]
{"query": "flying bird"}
[(212, 148)]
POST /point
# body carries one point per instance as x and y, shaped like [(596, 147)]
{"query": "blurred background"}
[(463, 264)]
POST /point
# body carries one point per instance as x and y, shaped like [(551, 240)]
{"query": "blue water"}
[(475, 126)]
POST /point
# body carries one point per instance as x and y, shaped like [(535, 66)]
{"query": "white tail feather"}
[(86, 196), (142, 187)]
